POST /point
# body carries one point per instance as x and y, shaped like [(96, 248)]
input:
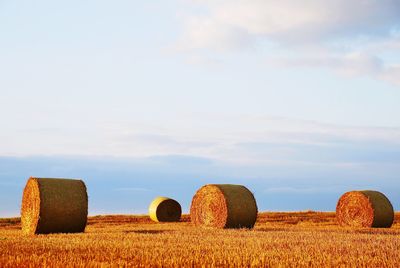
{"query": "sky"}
[(298, 100)]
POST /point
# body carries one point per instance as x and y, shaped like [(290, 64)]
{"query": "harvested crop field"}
[(297, 239)]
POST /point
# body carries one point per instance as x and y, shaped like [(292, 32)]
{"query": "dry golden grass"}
[(279, 239)]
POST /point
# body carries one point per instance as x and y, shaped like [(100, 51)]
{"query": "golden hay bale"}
[(164, 209), (364, 209), (54, 206), (224, 206)]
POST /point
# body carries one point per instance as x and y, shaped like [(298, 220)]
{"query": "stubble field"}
[(298, 239)]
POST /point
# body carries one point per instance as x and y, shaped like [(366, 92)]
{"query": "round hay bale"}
[(54, 206), (364, 209), (164, 209), (224, 206)]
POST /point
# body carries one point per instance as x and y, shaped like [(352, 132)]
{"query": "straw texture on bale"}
[(54, 206), (224, 206), (364, 209), (164, 209)]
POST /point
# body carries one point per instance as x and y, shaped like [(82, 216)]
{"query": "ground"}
[(296, 239)]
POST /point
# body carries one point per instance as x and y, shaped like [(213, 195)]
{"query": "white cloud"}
[(204, 33), (391, 74), (289, 21), (348, 37)]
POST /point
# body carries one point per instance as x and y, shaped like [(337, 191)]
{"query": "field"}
[(297, 239)]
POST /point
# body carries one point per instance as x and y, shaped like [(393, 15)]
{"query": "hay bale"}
[(54, 206), (364, 209), (164, 209), (224, 206)]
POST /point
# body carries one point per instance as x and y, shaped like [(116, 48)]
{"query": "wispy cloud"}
[(296, 190), (256, 140), (351, 64), (131, 189), (235, 139)]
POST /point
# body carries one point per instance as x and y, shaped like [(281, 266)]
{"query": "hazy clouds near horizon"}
[(118, 185)]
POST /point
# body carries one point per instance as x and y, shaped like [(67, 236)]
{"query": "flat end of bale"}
[(209, 207), (30, 209)]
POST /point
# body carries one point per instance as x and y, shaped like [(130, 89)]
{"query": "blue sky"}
[(299, 100)]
